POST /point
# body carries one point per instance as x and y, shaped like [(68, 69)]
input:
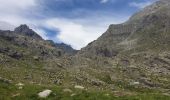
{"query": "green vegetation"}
[(29, 92)]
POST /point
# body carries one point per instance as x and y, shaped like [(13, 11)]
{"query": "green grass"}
[(29, 92)]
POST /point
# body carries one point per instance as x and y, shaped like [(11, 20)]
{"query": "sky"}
[(73, 22)]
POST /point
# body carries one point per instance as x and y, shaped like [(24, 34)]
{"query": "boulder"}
[(20, 85), (79, 87), (44, 94), (36, 58)]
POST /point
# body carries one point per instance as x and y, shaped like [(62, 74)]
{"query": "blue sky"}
[(74, 22)]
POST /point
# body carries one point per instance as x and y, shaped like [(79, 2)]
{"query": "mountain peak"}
[(25, 30), (156, 8), (22, 28)]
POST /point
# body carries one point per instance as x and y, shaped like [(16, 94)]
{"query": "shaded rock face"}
[(67, 48), (108, 44), (24, 29)]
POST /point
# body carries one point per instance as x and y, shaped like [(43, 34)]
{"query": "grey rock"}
[(24, 29)]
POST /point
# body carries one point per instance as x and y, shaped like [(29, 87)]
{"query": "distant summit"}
[(67, 48), (24, 29)]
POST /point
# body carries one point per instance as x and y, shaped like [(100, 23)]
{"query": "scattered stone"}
[(36, 58), (67, 90), (5, 80), (134, 83), (72, 94), (20, 86), (97, 82), (79, 87), (44, 93), (15, 54), (59, 65), (58, 82)]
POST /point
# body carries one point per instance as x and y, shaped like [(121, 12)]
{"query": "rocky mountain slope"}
[(25, 56), (25, 38), (134, 51), (149, 27), (128, 56)]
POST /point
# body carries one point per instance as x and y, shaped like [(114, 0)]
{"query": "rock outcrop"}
[(25, 30)]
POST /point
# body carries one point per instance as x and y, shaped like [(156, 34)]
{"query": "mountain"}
[(28, 43), (26, 57), (134, 51), (25, 30), (129, 58), (66, 48), (148, 28)]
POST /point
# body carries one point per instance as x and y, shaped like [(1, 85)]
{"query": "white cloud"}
[(12, 11), (15, 20), (104, 1), (15, 6), (78, 33), (6, 26), (73, 33), (140, 5), (42, 33)]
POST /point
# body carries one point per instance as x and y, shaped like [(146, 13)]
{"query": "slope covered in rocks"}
[(132, 56), (134, 51), (25, 56)]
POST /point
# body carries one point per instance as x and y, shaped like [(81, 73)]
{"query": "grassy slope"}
[(29, 92)]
